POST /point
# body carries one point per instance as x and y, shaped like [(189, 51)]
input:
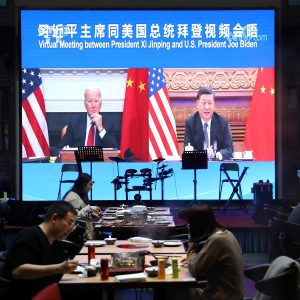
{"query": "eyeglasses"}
[(71, 224)]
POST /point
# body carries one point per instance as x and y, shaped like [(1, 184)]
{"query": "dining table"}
[(158, 223), (72, 283), (123, 246)]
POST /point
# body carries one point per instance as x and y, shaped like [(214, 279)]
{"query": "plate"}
[(96, 243), (163, 222), (108, 218), (160, 209), (172, 244)]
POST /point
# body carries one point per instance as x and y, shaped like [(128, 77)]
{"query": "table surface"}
[(154, 211), (185, 279), (157, 217), (109, 249)]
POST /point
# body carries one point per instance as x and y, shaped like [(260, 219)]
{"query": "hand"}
[(210, 152), (219, 156), (97, 119), (183, 260), (96, 210), (68, 266)]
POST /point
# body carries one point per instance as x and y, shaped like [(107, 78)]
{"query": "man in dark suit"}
[(206, 122), (90, 129)]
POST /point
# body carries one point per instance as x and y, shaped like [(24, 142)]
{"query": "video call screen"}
[(148, 66)]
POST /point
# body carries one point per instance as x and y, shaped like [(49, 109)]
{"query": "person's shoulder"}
[(29, 234), (78, 117), (71, 196), (193, 117), (30, 229), (219, 118)]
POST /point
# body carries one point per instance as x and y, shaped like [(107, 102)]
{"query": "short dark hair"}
[(60, 208), (205, 90)]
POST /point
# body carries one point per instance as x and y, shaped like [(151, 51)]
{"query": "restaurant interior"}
[(132, 236)]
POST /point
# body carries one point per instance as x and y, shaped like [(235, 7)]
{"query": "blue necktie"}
[(205, 136)]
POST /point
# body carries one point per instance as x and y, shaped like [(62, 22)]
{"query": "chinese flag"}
[(260, 128), (135, 128)]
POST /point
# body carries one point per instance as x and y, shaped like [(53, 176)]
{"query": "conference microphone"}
[(163, 166)]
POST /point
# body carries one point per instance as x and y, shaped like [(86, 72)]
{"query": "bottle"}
[(175, 269), (91, 252), (104, 274), (161, 263)]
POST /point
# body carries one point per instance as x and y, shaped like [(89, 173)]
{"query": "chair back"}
[(230, 167), (69, 168), (289, 238), (66, 168), (51, 292), (280, 281)]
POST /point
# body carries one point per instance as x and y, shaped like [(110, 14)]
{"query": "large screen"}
[(139, 72)]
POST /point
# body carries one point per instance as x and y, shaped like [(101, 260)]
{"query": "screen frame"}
[(277, 67)]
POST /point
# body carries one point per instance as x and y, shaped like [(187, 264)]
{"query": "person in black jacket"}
[(219, 140)]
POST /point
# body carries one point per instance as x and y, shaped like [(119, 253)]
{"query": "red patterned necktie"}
[(91, 136)]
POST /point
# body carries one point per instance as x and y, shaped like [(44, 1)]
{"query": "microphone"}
[(163, 166)]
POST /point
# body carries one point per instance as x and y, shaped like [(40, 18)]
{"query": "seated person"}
[(78, 197), (207, 130), (214, 254), (90, 129), (36, 258)]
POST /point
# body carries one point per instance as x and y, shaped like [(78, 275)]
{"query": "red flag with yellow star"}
[(260, 127), (135, 128)]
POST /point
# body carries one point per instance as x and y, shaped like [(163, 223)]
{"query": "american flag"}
[(162, 126), (35, 140)]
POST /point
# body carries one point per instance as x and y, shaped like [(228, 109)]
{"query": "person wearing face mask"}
[(91, 129), (207, 130), (78, 197)]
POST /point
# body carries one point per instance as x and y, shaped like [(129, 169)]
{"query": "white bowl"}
[(110, 241)]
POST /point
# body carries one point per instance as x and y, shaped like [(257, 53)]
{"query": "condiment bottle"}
[(161, 263), (175, 269)]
